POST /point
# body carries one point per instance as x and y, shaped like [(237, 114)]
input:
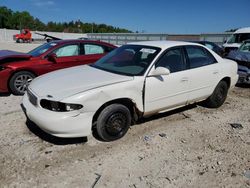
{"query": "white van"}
[(237, 39)]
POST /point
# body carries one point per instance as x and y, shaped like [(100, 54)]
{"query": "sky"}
[(150, 16)]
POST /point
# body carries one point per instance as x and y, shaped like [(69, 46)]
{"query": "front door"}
[(168, 91)]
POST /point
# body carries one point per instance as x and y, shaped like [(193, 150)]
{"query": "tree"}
[(5, 15), (21, 20)]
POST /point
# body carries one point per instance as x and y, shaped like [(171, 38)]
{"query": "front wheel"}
[(113, 122), (19, 81), (218, 97)]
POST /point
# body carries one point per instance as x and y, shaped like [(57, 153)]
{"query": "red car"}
[(18, 69)]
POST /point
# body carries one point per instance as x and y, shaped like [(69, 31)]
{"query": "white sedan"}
[(133, 81)]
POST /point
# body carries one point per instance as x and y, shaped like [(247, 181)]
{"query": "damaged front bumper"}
[(60, 124), (244, 74)]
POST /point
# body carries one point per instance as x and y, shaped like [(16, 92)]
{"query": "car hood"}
[(67, 82), (7, 54), (238, 55)]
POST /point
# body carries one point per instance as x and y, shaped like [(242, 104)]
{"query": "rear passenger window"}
[(199, 57), (172, 60)]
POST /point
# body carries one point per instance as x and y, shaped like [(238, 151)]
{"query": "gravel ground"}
[(190, 147)]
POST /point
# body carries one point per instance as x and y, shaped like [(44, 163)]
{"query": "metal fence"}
[(124, 38)]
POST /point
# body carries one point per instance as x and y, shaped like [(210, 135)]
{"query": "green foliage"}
[(21, 20)]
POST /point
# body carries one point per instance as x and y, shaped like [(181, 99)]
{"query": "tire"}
[(19, 81), (218, 97), (19, 41), (113, 122)]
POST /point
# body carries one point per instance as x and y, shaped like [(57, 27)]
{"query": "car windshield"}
[(41, 49), (245, 47), (130, 60), (238, 38)]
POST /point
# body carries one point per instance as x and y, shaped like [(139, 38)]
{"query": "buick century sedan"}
[(131, 82)]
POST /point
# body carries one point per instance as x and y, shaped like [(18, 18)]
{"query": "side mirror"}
[(159, 71), (52, 57)]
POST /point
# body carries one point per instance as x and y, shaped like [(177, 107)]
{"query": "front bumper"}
[(60, 124), (244, 74)]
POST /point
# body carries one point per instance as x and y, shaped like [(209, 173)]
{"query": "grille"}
[(32, 97)]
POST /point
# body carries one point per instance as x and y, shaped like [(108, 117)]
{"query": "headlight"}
[(59, 106), (2, 68)]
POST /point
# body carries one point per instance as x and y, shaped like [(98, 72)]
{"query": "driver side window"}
[(172, 60), (69, 50)]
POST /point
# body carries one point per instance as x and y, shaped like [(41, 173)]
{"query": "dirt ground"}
[(190, 147)]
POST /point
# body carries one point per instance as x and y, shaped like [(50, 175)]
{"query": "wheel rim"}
[(116, 124), (21, 82)]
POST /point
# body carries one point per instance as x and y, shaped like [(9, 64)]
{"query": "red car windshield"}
[(42, 49)]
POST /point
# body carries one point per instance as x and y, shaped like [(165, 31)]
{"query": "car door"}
[(204, 72), (168, 91), (67, 55)]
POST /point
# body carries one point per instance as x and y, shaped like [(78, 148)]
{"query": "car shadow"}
[(155, 117), (166, 114), (53, 139), (4, 94), (243, 85)]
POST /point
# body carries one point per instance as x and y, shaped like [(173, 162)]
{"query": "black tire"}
[(218, 97), (19, 41), (113, 122), (19, 81)]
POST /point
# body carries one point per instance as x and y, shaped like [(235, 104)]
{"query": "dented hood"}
[(8, 56), (67, 82)]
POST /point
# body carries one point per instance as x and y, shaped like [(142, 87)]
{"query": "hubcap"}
[(21, 82), (116, 124)]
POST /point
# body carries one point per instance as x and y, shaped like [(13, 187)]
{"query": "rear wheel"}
[(219, 95), (113, 122), (19, 81), (19, 41)]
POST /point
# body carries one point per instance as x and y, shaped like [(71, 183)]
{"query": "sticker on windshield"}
[(147, 50)]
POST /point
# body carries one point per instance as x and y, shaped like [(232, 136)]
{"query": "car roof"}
[(243, 30), (164, 44), (65, 41)]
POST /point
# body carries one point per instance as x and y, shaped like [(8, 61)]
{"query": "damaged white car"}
[(133, 81)]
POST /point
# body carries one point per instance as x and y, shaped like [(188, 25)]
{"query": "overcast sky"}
[(151, 16)]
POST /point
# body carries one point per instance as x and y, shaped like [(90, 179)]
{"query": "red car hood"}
[(11, 56)]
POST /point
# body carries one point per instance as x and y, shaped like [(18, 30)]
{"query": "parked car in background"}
[(242, 57), (237, 38), (18, 69), (133, 81), (212, 46)]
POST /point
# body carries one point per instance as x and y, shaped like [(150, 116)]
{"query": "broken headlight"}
[(59, 106), (2, 68)]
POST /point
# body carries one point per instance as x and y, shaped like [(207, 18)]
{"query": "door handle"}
[(184, 79)]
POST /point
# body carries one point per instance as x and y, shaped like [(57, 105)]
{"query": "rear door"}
[(91, 53), (204, 72)]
